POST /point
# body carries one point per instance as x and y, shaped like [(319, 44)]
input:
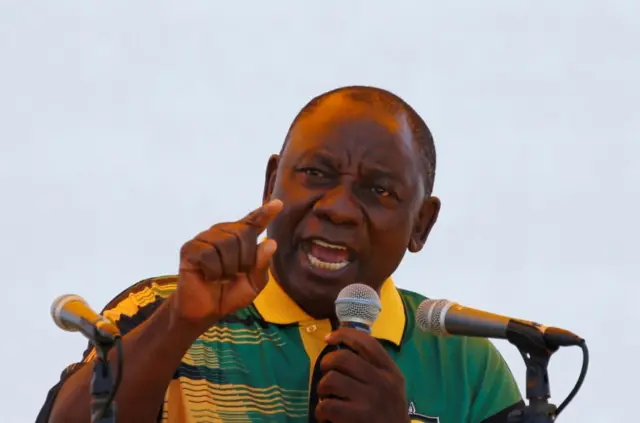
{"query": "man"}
[(246, 331)]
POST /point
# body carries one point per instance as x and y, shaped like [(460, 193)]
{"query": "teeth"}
[(316, 262), (327, 245)]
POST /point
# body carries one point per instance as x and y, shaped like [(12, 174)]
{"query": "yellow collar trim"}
[(277, 307)]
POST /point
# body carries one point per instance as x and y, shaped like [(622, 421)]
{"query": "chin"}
[(318, 303), (315, 294)]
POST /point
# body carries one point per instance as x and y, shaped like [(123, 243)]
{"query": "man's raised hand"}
[(224, 268)]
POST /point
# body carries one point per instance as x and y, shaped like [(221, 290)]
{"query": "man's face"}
[(353, 195)]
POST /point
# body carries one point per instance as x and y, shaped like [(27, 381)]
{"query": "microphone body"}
[(443, 317), (72, 313)]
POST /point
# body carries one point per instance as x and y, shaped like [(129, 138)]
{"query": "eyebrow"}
[(319, 156), (379, 173), (374, 170)]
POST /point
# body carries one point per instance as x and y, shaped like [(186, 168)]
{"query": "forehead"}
[(341, 125)]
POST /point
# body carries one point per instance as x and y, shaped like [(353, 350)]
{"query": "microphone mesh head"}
[(358, 303), (58, 305), (430, 316)]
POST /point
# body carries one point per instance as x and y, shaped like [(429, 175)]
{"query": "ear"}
[(427, 216), (270, 177)]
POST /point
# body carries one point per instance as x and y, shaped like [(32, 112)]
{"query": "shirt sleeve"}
[(128, 310), (495, 392)]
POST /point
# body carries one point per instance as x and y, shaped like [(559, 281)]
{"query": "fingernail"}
[(326, 338), (270, 246)]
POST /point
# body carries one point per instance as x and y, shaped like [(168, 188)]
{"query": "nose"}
[(338, 206)]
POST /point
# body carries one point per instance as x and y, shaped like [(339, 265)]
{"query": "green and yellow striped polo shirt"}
[(260, 364)]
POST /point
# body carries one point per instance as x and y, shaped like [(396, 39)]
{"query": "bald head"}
[(387, 108)]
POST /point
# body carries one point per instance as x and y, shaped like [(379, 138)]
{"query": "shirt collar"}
[(277, 307)]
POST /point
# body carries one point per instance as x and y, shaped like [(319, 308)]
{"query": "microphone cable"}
[(116, 383), (581, 378)]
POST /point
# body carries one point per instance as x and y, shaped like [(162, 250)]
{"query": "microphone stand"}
[(536, 354), (102, 384)]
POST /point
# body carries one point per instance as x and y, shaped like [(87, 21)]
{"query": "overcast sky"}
[(124, 127)]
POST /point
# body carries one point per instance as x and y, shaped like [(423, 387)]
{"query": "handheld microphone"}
[(443, 317), (73, 314), (358, 306)]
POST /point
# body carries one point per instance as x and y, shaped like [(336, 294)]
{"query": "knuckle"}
[(189, 249), (254, 216), (228, 227), (209, 255), (324, 409), (241, 231), (323, 387), (250, 231), (320, 411), (390, 383), (345, 358), (227, 241), (339, 359), (328, 361), (220, 225), (246, 232), (327, 380), (331, 383)]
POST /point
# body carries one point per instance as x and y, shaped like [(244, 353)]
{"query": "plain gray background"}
[(123, 127)]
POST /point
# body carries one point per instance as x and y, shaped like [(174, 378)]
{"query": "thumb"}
[(260, 276), (266, 250)]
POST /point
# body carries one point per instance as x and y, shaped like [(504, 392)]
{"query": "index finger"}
[(363, 344), (263, 215)]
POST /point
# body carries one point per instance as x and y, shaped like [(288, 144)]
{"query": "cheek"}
[(389, 235), (278, 231), (390, 223), (386, 255), (297, 200), (388, 245), (289, 190)]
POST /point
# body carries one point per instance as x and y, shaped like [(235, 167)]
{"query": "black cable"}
[(118, 378), (580, 381)]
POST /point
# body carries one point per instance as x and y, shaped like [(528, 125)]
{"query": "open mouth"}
[(327, 256)]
